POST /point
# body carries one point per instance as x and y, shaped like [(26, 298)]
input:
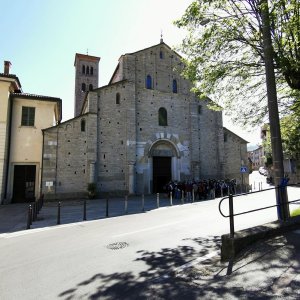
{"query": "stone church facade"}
[(140, 131)]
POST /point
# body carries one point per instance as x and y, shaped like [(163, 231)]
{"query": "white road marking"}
[(35, 230), (187, 265), (196, 261)]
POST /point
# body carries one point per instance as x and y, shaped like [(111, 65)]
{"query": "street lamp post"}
[(276, 143)]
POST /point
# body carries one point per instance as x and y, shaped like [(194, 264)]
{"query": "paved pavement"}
[(268, 269), (13, 217)]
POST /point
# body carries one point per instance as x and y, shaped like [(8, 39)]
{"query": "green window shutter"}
[(31, 116), (28, 116)]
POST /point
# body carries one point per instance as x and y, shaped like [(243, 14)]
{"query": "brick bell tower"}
[(86, 78)]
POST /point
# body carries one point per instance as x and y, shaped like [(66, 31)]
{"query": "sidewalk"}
[(13, 217), (268, 269)]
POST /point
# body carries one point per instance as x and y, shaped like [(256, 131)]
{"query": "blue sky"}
[(40, 39)]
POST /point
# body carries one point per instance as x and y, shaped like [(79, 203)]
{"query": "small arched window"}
[(175, 86), (225, 137), (199, 109), (90, 87), (118, 98), (149, 82), (161, 54), (162, 117), (82, 125), (87, 70), (83, 69), (83, 87), (92, 70)]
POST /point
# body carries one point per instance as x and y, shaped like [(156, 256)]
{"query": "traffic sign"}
[(243, 169)]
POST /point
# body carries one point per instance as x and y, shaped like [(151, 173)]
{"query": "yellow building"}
[(22, 118)]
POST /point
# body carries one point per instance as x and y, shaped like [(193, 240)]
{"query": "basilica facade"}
[(137, 133)]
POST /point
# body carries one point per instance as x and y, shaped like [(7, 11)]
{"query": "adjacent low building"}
[(22, 118)]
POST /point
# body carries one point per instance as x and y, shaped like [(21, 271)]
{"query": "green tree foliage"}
[(290, 132), (224, 54), (290, 135)]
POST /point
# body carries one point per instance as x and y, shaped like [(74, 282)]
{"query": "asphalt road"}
[(77, 260), (114, 258)]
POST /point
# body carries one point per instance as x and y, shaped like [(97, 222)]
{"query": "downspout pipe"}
[(42, 166), (10, 99), (56, 160)]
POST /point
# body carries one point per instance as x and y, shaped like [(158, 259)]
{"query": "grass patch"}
[(295, 212)]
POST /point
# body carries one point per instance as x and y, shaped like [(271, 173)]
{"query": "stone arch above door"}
[(163, 148)]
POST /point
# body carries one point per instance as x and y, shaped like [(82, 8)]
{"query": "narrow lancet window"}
[(162, 117), (175, 86), (149, 82)]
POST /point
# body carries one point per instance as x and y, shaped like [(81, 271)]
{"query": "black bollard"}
[(29, 217), (126, 204), (106, 208), (58, 213), (32, 213), (84, 210), (157, 200), (143, 202)]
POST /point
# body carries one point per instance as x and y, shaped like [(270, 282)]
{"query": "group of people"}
[(201, 189)]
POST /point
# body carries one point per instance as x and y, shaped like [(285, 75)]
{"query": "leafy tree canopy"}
[(290, 134), (225, 60)]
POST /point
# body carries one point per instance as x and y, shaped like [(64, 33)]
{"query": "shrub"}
[(92, 190), (295, 212)]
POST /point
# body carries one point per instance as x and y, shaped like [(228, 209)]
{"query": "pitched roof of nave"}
[(234, 134), (145, 49), (154, 46), (98, 89)]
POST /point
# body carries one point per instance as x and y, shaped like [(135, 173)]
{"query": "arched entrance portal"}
[(162, 173), (165, 157)]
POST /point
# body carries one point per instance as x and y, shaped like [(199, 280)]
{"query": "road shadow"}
[(257, 273), (160, 271)]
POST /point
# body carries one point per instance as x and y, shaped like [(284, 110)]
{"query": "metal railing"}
[(280, 190)]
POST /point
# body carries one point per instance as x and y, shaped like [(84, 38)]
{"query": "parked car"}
[(263, 171)]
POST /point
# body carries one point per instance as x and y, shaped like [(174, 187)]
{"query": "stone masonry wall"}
[(69, 158), (191, 128), (235, 157), (116, 147)]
